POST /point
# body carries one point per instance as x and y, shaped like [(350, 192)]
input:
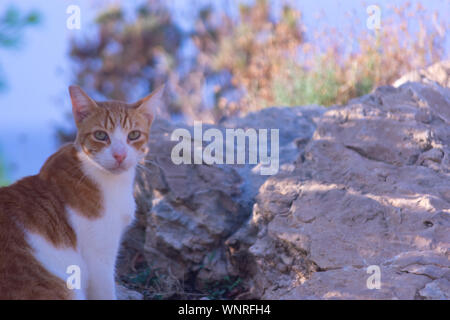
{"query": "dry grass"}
[(275, 63), (155, 284), (259, 61)]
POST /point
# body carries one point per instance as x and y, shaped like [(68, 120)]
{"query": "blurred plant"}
[(253, 60), (274, 63), (12, 24), (254, 49), (124, 55)]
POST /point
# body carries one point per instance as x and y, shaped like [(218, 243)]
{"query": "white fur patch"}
[(99, 238), (57, 260)]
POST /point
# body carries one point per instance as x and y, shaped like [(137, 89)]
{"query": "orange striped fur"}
[(38, 204)]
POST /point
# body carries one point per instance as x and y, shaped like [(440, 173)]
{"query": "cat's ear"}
[(150, 103), (82, 104)]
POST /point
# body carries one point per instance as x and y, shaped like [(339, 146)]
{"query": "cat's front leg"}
[(101, 284)]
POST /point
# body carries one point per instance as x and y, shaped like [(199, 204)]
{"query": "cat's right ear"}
[(82, 104)]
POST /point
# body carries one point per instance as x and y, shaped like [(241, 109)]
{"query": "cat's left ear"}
[(149, 104), (82, 104)]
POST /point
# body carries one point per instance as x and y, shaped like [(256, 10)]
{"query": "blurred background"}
[(217, 58)]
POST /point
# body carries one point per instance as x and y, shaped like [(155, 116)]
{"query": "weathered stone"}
[(438, 73), (436, 290), (192, 223), (124, 293), (370, 189)]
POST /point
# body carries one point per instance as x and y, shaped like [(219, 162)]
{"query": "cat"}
[(71, 216)]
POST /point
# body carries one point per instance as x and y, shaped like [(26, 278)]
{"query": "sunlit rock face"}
[(438, 73), (361, 187), (371, 188), (189, 214)]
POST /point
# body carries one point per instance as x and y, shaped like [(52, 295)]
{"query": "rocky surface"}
[(370, 186), (438, 73), (124, 293), (195, 209)]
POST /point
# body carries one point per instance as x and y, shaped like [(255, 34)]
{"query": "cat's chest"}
[(118, 204)]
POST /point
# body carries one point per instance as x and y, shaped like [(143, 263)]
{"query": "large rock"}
[(124, 293), (372, 187), (438, 73), (191, 212)]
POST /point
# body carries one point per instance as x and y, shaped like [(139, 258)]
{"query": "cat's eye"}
[(134, 135), (101, 135)]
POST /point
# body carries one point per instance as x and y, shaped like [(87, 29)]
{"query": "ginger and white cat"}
[(74, 212)]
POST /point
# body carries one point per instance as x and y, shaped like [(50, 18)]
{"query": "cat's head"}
[(113, 135)]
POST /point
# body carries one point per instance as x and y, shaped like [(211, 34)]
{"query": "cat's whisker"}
[(154, 163), (140, 166)]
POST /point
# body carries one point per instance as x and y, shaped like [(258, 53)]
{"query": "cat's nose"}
[(119, 157)]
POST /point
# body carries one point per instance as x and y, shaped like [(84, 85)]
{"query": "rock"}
[(124, 293), (372, 188), (436, 290), (361, 185), (350, 283), (438, 73), (194, 214)]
